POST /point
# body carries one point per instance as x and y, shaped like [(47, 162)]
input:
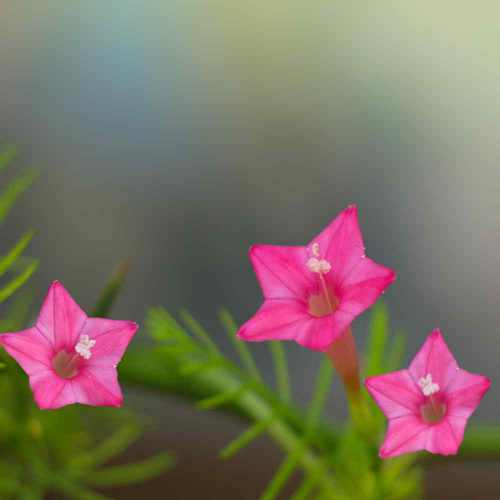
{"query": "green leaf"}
[(166, 329), (108, 449), (285, 471), (159, 369), (75, 491), (397, 352), (14, 190), (245, 438), (306, 488), (7, 290), (121, 475), (245, 355), (190, 369), (8, 260), (281, 370), (322, 386), (223, 398), (17, 313), (379, 327), (200, 332), (111, 291)]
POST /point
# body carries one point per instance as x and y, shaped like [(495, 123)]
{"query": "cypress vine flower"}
[(69, 357), (313, 293), (429, 404)]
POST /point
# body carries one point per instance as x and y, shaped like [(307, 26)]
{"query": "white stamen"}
[(427, 386), (315, 264), (318, 266), (85, 344)]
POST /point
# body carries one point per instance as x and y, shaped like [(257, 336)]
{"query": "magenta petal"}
[(341, 320), (363, 285), (98, 386), (464, 393), (442, 440), (341, 242), (457, 425), (281, 271), (112, 338), (29, 348), (61, 319), (318, 334), (277, 320), (321, 332), (289, 320), (51, 392), (404, 435), (395, 393), (435, 358)]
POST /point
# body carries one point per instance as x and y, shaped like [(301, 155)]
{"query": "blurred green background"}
[(178, 133)]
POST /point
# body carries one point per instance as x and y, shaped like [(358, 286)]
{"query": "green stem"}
[(250, 404)]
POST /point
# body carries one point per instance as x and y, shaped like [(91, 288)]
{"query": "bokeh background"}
[(178, 133)]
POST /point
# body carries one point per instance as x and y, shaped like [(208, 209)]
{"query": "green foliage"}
[(334, 461), (67, 452), (14, 265), (75, 452), (111, 291)]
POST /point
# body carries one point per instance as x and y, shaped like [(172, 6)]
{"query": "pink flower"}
[(313, 293), (69, 357), (429, 404)]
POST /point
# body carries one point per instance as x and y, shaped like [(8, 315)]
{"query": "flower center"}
[(324, 302), (67, 364), (433, 409)]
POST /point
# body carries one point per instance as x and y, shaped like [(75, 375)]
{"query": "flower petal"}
[(464, 393), (341, 320), (61, 318), (363, 285), (318, 335), (282, 271), (277, 320), (341, 243), (395, 393), (442, 439), (112, 338), (29, 348), (404, 435), (98, 386), (50, 391), (436, 359)]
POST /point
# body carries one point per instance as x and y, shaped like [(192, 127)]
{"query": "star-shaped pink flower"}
[(429, 404), (313, 293), (69, 357)]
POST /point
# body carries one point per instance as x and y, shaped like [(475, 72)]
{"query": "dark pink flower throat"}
[(66, 364)]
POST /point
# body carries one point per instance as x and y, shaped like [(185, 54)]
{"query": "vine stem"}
[(253, 406)]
